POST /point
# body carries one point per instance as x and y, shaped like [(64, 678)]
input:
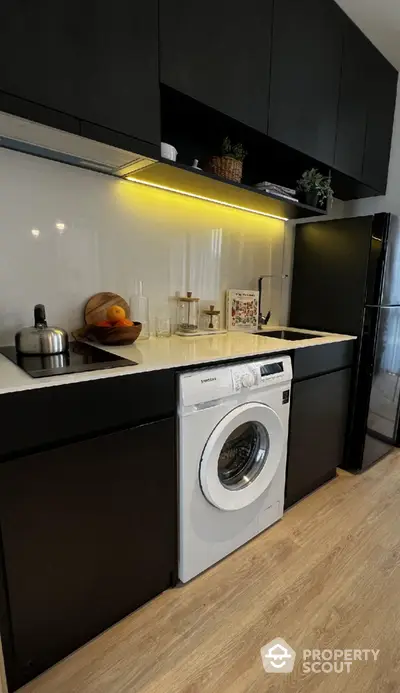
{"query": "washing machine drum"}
[(242, 456)]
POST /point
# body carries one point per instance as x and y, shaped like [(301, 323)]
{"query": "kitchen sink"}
[(287, 334)]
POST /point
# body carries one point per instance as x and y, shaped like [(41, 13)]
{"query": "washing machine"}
[(233, 429)]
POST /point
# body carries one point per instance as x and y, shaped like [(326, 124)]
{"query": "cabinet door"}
[(353, 103), (317, 432), (219, 54), (305, 76), (93, 60), (89, 534), (382, 88)]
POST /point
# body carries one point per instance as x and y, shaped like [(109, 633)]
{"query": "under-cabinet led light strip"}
[(205, 199)]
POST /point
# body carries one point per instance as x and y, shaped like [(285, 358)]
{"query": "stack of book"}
[(286, 193)]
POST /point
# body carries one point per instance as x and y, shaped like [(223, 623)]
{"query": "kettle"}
[(41, 339)]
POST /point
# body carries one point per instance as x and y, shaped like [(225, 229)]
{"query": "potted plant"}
[(229, 164), (313, 188)]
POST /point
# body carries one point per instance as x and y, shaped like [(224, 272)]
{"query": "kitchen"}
[(71, 233)]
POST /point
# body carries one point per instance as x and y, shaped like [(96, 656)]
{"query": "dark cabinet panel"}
[(366, 109), (89, 534), (219, 54), (353, 102), (94, 61), (382, 88), (317, 360), (317, 432), (125, 401), (305, 76)]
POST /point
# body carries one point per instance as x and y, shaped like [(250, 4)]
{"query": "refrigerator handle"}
[(380, 273), (369, 333)]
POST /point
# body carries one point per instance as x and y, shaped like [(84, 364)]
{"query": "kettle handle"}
[(40, 315)]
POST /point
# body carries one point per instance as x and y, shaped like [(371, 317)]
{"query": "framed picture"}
[(242, 310)]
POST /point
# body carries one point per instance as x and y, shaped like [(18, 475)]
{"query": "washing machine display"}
[(241, 456)]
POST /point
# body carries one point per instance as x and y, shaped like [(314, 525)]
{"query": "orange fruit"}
[(115, 313), (103, 323), (123, 323)]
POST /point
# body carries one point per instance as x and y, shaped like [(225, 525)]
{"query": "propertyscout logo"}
[(279, 658)]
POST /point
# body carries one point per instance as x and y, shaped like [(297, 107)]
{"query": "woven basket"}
[(226, 167)]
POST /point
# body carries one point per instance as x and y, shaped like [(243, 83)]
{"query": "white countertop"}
[(173, 352)]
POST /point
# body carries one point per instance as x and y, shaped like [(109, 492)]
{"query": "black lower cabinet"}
[(317, 432), (89, 534)]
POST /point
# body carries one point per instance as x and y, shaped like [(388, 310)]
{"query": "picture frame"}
[(242, 308)]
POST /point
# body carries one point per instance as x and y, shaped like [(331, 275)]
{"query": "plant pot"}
[(226, 167), (309, 198)]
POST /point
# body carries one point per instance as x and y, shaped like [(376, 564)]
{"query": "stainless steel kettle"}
[(41, 339)]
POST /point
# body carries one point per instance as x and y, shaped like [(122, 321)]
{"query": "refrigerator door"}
[(377, 259), (390, 292), (332, 268), (383, 410)]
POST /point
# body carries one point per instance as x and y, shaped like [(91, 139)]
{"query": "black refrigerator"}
[(346, 279)]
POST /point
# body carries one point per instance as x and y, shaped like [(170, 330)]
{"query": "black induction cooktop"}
[(80, 357)]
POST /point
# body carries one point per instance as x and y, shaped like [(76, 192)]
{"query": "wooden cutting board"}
[(97, 306)]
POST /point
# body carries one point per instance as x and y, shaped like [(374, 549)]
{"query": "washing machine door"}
[(241, 456)]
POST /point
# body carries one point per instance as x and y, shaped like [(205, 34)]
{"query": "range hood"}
[(40, 140), (29, 137)]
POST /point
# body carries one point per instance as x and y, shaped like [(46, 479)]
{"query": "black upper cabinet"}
[(305, 76), (92, 60), (219, 54), (366, 108), (382, 88), (353, 102)]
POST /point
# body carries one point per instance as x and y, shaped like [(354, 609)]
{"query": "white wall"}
[(379, 21), (116, 232), (391, 201)]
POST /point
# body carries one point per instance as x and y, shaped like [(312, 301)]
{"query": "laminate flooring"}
[(326, 577)]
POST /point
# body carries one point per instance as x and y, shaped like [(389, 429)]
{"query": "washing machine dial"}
[(248, 379)]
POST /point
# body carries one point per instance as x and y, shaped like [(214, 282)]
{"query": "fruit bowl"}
[(114, 335)]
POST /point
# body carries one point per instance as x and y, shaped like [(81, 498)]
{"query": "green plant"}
[(236, 151), (314, 181), (326, 190)]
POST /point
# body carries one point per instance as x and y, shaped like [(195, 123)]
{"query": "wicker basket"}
[(226, 167)]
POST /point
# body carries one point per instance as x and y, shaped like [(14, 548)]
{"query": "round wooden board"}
[(97, 306)]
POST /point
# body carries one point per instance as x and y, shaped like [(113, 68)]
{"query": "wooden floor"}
[(326, 576)]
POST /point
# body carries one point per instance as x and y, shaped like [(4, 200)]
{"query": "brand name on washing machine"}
[(207, 380)]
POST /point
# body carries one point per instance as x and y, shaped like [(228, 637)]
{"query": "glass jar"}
[(188, 314), (139, 305), (163, 327)]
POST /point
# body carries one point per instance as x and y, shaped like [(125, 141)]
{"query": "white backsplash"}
[(67, 233)]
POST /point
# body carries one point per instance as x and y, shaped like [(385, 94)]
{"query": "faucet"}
[(263, 319)]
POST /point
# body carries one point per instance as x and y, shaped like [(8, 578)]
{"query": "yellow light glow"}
[(205, 199)]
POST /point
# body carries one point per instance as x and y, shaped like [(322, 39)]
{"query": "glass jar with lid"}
[(187, 314)]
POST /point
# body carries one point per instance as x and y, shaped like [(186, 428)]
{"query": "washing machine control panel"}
[(254, 375), (209, 385), (243, 376), (249, 379)]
